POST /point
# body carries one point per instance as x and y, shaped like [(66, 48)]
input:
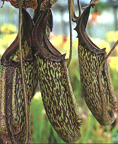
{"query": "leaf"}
[(46, 4), (26, 3)]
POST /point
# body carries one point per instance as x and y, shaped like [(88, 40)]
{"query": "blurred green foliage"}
[(91, 130), (100, 6), (8, 33)]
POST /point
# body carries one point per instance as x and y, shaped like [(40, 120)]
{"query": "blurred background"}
[(102, 28)]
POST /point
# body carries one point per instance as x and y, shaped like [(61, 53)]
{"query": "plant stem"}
[(22, 74), (70, 24)]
